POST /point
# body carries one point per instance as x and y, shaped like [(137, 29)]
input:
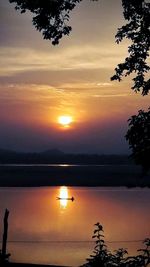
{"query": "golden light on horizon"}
[(63, 195), (65, 120)]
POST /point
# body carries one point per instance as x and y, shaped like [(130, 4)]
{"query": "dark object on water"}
[(3, 255), (65, 198)]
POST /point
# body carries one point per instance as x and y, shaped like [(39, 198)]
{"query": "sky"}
[(40, 82)]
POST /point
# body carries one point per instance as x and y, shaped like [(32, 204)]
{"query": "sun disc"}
[(65, 120)]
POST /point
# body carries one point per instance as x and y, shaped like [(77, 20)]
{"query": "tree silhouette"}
[(138, 136), (51, 18), (137, 13)]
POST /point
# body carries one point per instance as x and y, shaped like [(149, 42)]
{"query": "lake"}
[(44, 229)]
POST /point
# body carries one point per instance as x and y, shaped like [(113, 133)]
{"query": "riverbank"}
[(72, 175)]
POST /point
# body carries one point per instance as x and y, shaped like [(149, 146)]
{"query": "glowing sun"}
[(65, 120)]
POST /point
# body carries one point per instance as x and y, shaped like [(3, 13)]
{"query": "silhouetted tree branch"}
[(138, 136), (137, 13), (49, 16)]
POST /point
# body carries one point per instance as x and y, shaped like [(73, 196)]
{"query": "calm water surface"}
[(45, 230)]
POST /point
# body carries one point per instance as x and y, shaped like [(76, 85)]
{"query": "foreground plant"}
[(100, 253), (102, 257)]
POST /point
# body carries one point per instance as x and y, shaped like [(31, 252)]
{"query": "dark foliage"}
[(101, 257), (50, 16), (138, 136), (137, 13)]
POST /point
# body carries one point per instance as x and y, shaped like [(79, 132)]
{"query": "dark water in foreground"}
[(45, 230)]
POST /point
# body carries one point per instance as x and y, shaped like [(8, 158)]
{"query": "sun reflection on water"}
[(63, 195)]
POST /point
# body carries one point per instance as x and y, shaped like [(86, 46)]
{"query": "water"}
[(49, 231)]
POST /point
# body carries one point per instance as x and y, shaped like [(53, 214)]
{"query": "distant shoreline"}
[(13, 175), (56, 156)]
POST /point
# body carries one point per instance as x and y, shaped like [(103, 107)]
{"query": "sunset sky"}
[(40, 82)]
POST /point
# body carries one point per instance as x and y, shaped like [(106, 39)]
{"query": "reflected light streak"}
[(63, 195)]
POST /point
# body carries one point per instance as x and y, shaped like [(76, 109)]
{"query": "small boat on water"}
[(65, 198)]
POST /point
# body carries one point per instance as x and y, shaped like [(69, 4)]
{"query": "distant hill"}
[(6, 151), (55, 156), (52, 152)]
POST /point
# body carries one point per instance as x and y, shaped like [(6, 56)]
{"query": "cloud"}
[(110, 95), (16, 60)]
